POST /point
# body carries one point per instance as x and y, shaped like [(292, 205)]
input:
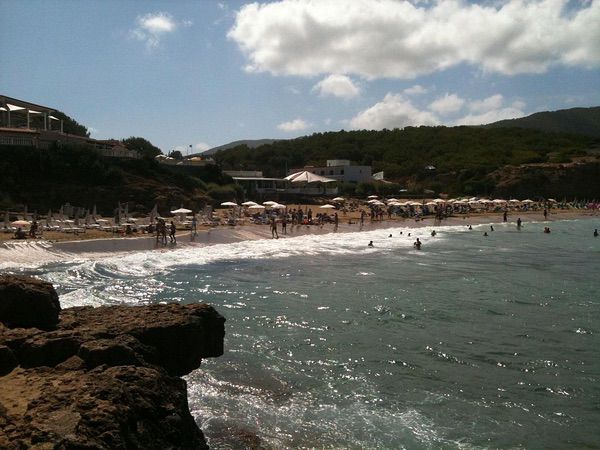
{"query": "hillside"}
[(464, 157), (584, 121), (46, 179), (248, 143)]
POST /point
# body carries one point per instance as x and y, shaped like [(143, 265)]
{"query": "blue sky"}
[(204, 73)]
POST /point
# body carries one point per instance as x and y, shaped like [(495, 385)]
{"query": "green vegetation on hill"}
[(463, 156), (584, 121), (44, 179), (143, 146), (71, 126)]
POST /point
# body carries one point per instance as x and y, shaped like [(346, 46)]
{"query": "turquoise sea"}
[(471, 342)]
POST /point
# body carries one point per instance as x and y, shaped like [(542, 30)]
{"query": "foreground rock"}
[(105, 378)]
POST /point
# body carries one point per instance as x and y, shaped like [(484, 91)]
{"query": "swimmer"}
[(417, 244), (370, 244), (596, 232), (433, 233), (491, 227), (390, 235), (470, 227), (485, 233), (546, 229)]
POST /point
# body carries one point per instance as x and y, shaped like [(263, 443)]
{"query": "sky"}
[(191, 75)]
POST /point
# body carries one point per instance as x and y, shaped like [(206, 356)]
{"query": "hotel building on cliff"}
[(27, 124)]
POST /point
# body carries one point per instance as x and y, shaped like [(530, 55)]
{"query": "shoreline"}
[(30, 253)]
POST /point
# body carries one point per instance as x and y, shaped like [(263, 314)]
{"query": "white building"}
[(341, 170)]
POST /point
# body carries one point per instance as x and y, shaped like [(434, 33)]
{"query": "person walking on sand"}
[(274, 234), (504, 216), (336, 222), (172, 232)]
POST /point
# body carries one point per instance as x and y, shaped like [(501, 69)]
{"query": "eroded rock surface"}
[(105, 378)]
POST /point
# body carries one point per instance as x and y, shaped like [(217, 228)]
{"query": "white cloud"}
[(487, 104), (417, 89), (392, 112), (400, 39), (491, 116), (395, 111), (293, 90), (337, 86), (293, 125), (202, 146), (447, 104), (151, 28), (491, 109)]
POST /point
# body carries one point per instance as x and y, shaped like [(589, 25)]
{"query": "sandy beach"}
[(56, 247)]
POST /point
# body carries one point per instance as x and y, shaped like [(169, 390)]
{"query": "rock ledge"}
[(100, 378)]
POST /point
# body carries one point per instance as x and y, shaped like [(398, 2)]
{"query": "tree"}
[(143, 146), (71, 126), (175, 154)]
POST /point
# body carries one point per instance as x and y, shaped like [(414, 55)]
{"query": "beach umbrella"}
[(249, 203), (181, 211), (373, 196), (391, 200), (278, 206), (269, 203), (552, 200), (527, 201), (20, 223), (338, 199), (256, 207), (307, 177), (373, 200), (327, 206), (514, 200), (498, 200), (228, 204), (439, 200)]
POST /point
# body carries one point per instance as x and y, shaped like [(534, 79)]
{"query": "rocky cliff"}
[(98, 378)]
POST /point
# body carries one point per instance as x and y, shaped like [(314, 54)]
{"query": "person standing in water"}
[(519, 222), (172, 232), (596, 232), (417, 244), (274, 228)]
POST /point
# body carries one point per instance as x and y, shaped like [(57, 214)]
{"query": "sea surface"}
[(471, 342)]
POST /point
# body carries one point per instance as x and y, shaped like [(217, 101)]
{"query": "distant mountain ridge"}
[(250, 143), (585, 121)]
